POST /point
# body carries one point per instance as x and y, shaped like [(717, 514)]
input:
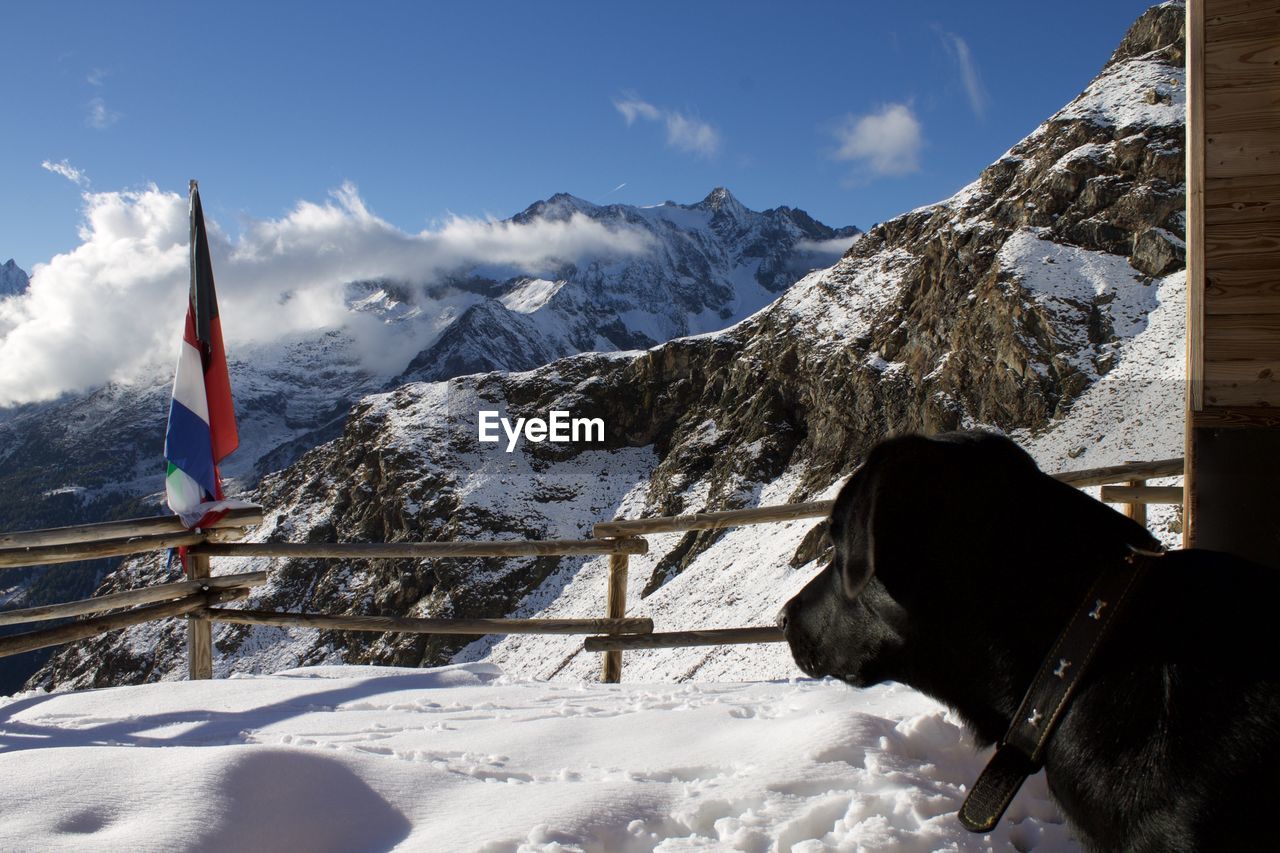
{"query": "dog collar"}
[(1021, 752)]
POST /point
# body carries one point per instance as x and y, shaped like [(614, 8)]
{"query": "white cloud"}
[(959, 50), (111, 309), (692, 135), (684, 132), (886, 142), (96, 76), (99, 115), (66, 170), (833, 246), (633, 108)]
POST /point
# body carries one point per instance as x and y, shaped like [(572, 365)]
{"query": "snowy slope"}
[(465, 759)]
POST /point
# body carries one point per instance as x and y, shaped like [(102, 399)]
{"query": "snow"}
[(1133, 93), (465, 758)]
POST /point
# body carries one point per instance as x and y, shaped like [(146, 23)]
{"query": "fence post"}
[(1137, 511), (615, 608), (199, 629)]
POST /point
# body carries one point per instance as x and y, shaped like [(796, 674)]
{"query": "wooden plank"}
[(1195, 168), (682, 639), (18, 643), (1230, 18), (1243, 246), (713, 520), (1239, 58), (1264, 373), (1245, 394), (1242, 337), (127, 528), (1141, 496), (1241, 153), (1242, 292), (615, 608), (199, 628), (1244, 106), (815, 509), (46, 555), (1236, 417), (425, 550), (410, 625), (130, 598), (1121, 473), (1252, 199)]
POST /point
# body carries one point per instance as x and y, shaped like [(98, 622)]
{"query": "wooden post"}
[(1137, 511), (615, 608), (199, 629)]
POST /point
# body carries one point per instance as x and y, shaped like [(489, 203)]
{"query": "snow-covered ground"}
[(463, 758)]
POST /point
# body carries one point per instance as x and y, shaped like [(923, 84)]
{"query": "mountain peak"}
[(13, 279), (719, 199), (559, 207)]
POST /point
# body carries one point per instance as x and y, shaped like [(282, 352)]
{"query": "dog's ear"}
[(889, 509)]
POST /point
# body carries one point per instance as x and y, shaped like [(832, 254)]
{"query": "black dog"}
[(956, 565)]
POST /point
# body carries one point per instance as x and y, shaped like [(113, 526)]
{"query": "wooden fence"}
[(199, 597)]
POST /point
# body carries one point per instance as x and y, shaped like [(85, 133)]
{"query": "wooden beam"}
[(424, 550), (125, 529), (45, 555), (713, 520), (816, 509), (409, 625), (1195, 155), (130, 598), (199, 629), (1121, 473), (1141, 495), (615, 608), (682, 639), (15, 644), (1236, 417)]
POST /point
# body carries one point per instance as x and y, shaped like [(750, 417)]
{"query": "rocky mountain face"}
[(1043, 299), (13, 279)]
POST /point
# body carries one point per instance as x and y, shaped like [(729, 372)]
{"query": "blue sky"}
[(853, 111)]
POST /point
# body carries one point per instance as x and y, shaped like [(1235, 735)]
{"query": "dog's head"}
[(954, 558)]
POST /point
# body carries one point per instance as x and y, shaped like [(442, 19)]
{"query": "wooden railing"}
[(200, 596)]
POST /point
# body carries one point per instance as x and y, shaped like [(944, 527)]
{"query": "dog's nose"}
[(782, 619)]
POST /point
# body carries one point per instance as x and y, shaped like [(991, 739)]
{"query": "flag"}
[(202, 419)]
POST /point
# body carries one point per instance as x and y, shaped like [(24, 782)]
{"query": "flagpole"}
[(193, 187), (199, 629)]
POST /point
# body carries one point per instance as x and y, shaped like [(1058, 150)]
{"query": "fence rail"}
[(198, 597)]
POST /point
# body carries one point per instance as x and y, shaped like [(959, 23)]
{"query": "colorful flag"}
[(202, 418)]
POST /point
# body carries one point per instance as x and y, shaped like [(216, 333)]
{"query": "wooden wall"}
[(1233, 268)]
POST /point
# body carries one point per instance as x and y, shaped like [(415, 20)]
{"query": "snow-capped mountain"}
[(711, 263), (13, 280), (1044, 299)]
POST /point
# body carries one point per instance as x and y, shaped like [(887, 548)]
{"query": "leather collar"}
[(1021, 751)]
